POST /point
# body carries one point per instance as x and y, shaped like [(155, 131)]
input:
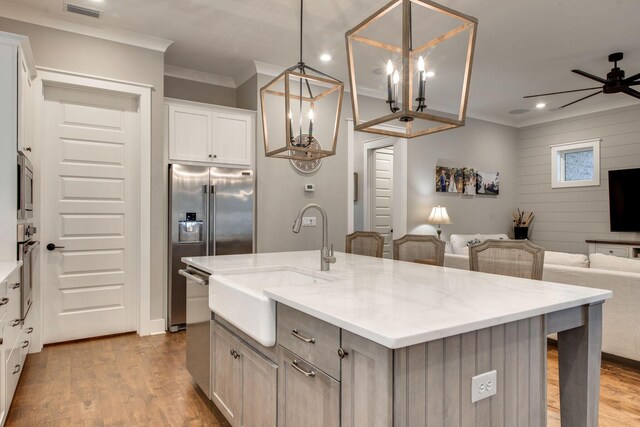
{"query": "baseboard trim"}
[(157, 327)]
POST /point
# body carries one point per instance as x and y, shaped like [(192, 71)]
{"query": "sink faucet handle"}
[(331, 253)]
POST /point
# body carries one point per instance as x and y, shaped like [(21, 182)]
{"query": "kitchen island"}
[(378, 342)]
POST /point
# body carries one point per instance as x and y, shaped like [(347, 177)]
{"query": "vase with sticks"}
[(521, 221)]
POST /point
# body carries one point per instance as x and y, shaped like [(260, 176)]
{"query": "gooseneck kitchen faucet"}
[(326, 255)]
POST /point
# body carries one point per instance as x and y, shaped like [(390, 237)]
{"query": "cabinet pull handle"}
[(235, 354), (25, 344), (29, 330), (295, 366), (15, 286), (342, 353), (303, 338), (16, 369), (14, 322), (4, 301)]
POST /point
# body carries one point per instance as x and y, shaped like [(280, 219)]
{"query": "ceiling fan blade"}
[(632, 79), (632, 92), (590, 76), (581, 99), (558, 93)]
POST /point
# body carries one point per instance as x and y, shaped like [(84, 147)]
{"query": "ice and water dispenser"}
[(191, 227)]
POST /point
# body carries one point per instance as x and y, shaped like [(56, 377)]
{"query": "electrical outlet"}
[(484, 385), (308, 221)]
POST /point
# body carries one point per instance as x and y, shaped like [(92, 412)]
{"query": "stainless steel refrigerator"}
[(211, 212)]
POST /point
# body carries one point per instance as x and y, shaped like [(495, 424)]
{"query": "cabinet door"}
[(306, 396), (24, 108), (190, 134), (232, 138), (367, 381), (227, 374), (259, 390)]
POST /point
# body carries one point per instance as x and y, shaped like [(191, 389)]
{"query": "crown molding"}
[(198, 76), (32, 16)]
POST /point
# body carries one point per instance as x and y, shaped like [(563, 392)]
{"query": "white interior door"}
[(382, 200), (89, 209)]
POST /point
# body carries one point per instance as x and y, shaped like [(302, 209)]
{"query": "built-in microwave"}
[(25, 188)]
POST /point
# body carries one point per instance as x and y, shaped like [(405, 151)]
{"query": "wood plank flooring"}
[(122, 380), (131, 381)]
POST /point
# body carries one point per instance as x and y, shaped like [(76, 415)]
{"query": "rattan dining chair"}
[(517, 258), (367, 243), (420, 249)]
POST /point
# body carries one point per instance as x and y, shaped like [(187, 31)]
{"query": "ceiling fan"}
[(614, 83)]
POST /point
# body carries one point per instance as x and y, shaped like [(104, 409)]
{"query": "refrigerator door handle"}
[(212, 219)]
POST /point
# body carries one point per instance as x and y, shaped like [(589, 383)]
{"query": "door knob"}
[(52, 246)]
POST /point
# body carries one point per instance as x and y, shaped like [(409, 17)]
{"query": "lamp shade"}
[(439, 215)]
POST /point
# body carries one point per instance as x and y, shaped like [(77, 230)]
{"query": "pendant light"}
[(301, 111), (407, 66)]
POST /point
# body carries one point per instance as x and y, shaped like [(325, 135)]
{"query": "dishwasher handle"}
[(189, 275)]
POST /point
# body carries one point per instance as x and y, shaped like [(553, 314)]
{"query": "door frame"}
[(142, 93), (399, 208)]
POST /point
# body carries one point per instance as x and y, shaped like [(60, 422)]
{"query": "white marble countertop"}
[(8, 267), (398, 304)]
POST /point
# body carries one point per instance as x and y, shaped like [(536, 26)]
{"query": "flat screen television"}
[(624, 199)]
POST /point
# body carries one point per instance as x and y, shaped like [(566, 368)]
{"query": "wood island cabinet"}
[(244, 383), (306, 395)]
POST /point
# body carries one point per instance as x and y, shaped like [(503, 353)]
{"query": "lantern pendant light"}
[(407, 101), (308, 103)]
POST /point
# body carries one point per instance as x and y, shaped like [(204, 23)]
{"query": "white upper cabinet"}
[(25, 106), (210, 134)]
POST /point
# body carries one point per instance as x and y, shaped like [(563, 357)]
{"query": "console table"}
[(619, 248)]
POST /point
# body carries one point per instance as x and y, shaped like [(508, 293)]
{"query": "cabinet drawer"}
[(306, 396), (312, 339), (24, 344), (4, 300), (613, 250), (13, 371)]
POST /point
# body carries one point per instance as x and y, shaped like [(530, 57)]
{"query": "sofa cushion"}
[(564, 258), (460, 242), (609, 262)]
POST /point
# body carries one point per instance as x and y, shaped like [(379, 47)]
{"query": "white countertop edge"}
[(419, 338), (7, 268)]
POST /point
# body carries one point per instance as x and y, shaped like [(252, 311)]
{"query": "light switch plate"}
[(484, 385), (308, 221)]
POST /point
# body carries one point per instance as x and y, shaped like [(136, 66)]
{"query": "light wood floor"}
[(130, 381)]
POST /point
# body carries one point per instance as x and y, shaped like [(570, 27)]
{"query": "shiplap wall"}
[(566, 217)]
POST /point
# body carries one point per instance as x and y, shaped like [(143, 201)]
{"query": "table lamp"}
[(439, 216)]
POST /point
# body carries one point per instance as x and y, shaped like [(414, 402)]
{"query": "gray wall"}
[(200, 92), (479, 144), (280, 189), (246, 96), (81, 54), (566, 217)]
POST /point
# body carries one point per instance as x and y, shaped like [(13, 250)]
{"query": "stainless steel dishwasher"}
[(198, 327)]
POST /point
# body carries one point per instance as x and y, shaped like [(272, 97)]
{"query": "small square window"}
[(576, 164)]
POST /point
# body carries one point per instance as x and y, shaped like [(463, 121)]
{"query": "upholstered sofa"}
[(621, 314)]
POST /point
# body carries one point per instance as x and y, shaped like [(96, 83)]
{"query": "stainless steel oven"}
[(26, 248), (25, 188)]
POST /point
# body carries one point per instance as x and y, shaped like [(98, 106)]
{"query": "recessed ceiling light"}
[(540, 105), (430, 74), (325, 57)]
